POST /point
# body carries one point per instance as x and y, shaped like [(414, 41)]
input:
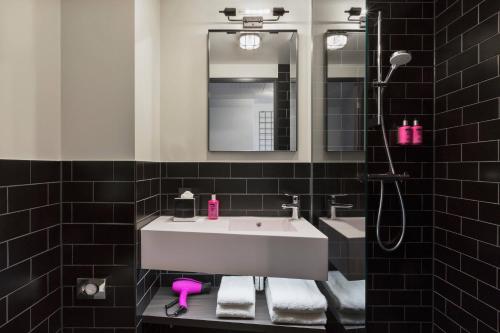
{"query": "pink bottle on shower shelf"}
[(213, 208), (405, 134), (416, 130)]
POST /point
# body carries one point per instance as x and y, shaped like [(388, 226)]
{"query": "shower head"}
[(400, 58)]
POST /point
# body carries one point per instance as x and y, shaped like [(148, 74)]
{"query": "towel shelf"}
[(202, 314)]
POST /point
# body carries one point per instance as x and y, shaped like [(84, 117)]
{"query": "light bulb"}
[(256, 12), (335, 42), (249, 41)]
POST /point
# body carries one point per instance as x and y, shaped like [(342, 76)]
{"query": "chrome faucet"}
[(294, 206), (334, 205)]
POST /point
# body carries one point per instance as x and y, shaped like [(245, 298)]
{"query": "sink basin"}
[(261, 224), (262, 246), (346, 244)]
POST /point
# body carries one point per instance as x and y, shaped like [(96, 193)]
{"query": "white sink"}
[(262, 246), (261, 224)]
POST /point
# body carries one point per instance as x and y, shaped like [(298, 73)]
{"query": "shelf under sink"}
[(201, 314)]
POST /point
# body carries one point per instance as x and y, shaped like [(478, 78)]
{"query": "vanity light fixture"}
[(249, 41), (336, 41), (253, 18), (353, 11), (359, 14)]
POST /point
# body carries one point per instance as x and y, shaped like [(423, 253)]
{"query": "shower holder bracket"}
[(382, 84)]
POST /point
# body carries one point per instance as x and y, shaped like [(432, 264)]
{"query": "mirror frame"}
[(254, 80)]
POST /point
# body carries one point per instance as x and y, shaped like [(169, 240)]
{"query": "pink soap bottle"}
[(405, 134), (416, 130), (213, 208)]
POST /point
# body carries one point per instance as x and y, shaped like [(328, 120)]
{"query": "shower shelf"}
[(201, 314), (386, 177)]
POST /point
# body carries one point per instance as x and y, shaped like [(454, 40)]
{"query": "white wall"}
[(326, 15), (184, 29), (30, 85), (98, 42), (147, 80)]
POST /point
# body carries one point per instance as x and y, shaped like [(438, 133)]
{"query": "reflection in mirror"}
[(345, 73), (339, 155), (252, 91)]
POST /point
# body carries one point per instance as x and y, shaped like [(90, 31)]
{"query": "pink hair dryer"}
[(185, 287)]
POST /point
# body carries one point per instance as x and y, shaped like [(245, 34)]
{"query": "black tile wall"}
[(98, 236), (467, 207), (30, 249), (399, 284), (147, 198), (253, 189)]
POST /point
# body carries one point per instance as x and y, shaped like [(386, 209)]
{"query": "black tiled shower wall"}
[(399, 284), (147, 197), (243, 189), (467, 168), (98, 234), (30, 250)]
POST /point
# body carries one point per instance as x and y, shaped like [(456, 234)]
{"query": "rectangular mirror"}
[(252, 90), (345, 79)]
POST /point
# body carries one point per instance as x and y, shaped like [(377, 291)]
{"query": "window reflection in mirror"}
[(252, 91)]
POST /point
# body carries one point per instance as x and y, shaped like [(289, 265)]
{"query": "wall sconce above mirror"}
[(252, 90), (253, 18)]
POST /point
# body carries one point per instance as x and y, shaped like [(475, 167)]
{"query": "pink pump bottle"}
[(405, 134), (213, 208), (416, 130)]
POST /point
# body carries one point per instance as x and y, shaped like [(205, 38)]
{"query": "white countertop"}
[(258, 246), (302, 227)]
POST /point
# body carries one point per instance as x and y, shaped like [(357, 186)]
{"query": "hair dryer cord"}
[(180, 309)]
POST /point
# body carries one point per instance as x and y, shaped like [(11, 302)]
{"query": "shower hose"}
[(389, 248)]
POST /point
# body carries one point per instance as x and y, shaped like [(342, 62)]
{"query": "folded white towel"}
[(295, 296), (283, 317), (236, 290), (235, 311), (347, 295)]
